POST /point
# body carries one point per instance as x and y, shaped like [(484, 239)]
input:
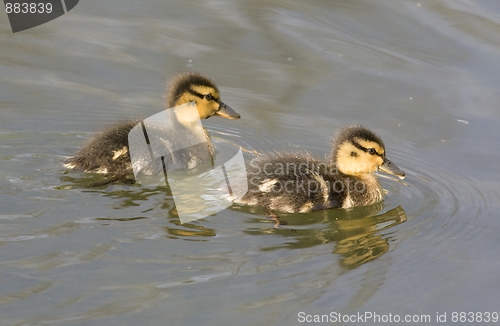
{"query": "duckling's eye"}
[(372, 151), (209, 97)]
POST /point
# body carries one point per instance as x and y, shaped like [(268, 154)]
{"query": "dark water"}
[(424, 75)]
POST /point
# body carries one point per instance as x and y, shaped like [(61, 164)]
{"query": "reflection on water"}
[(356, 232), (189, 230), (361, 240), (133, 195), (296, 71), (91, 180)]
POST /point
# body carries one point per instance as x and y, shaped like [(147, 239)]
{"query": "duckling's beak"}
[(225, 111), (391, 168)]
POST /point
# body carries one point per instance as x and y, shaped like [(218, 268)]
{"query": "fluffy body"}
[(108, 151), (298, 182)]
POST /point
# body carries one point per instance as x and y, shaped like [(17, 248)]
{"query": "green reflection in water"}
[(357, 232), (189, 230)]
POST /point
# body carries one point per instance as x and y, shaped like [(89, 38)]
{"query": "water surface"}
[(424, 75)]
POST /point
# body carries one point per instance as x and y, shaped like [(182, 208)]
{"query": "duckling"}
[(108, 151), (298, 182)]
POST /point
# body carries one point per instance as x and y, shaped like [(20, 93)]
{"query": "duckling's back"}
[(292, 183), (106, 153)]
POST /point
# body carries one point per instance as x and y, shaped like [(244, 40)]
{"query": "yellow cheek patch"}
[(185, 98), (352, 160), (347, 149), (348, 158), (206, 108)]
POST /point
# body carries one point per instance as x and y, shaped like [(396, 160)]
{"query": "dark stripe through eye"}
[(371, 151), (208, 96), (195, 93)]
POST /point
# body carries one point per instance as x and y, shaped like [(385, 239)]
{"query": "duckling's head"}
[(193, 87), (357, 150)]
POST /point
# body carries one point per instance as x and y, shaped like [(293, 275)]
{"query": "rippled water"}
[(424, 75)]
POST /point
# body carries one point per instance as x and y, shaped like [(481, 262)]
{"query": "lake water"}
[(424, 74)]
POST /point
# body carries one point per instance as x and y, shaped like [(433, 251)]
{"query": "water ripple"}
[(440, 204)]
